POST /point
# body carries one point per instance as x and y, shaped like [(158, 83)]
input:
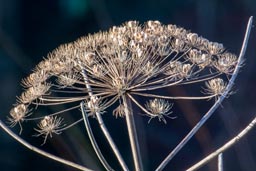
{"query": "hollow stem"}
[(132, 133), (216, 104)]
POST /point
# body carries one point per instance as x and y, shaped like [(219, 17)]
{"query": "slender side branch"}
[(93, 141), (226, 146), (103, 127), (132, 134), (41, 152), (216, 104)]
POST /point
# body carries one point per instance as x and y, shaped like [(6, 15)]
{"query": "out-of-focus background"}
[(30, 29)]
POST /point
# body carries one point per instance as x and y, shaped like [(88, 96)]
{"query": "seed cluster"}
[(132, 60)]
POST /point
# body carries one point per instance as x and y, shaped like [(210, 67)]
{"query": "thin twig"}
[(216, 104), (103, 127), (229, 144), (92, 139), (132, 133), (41, 152)]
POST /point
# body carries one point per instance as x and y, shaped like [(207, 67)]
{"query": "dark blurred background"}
[(30, 29)]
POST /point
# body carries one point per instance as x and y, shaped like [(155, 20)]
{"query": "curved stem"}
[(216, 104), (41, 152), (226, 146), (92, 139)]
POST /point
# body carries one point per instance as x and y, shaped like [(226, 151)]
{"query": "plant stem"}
[(41, 152), (216, 104), (103, 127), (220, 162), (229, 144), (92, 139), (132, 133)]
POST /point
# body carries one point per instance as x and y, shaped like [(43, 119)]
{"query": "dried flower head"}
[(215, 87), (17, 115), (48, 126), (226, 63), (159, 108), (95, 105), (132, 61)]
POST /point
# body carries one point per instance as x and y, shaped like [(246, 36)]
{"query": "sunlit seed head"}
[(18, 113), (186, 70), (226, 63), (95, 105), (49, 125), (150, 69), (215, 86), (192, 38), (158, 108), (215, 48), (67, 80)]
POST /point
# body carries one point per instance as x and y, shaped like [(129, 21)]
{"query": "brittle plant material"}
[(129, 60)]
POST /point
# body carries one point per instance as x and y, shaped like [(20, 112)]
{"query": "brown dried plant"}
[(116, 67)]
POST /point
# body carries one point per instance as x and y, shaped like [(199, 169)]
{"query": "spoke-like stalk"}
[(216, 104), (132, 133), (226, 146), (92, 139), (103, 127), (41, 152), (172, 97)]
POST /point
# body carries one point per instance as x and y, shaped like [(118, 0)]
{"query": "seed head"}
[(17, 115), (159, 108), (215, 87), (226, 63), (48, 126)]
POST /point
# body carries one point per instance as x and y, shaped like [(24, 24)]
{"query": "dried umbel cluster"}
[(131, 60)]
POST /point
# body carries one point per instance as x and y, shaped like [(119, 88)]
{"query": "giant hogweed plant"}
[(116, 68)]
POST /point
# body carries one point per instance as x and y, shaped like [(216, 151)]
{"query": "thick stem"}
[(229, 144), (92, 139), (41, 152), (216, 104), (103, 127), (132, 133)]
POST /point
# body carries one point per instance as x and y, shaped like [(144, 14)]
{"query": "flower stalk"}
[(132, 133)]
